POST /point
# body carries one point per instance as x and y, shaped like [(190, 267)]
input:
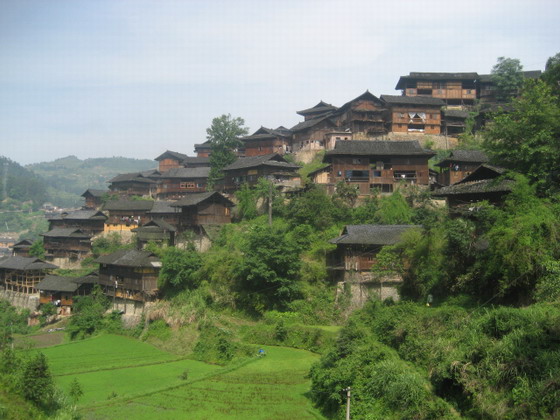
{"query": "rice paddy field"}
[(123, 378)]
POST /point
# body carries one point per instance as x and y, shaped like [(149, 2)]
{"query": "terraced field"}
[(123, 378)]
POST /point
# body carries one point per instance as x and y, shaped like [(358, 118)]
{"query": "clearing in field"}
[(123, 378)]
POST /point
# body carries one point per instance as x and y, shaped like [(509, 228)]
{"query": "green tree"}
[(37, 250), (551, 73), (178, 269), (507, 77), (267, 275), (75, 391), (88, 314), (394, 210), (223, 135), (37, 384), (315, 208), (526, 139)]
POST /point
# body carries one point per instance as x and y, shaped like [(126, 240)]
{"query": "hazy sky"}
[(97, 78)]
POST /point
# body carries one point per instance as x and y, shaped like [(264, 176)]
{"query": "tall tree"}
[(526, 138), (223, 135), (507, 77), (551, 73)]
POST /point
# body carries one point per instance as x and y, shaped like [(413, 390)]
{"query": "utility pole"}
[(347, 402), (270, 204)]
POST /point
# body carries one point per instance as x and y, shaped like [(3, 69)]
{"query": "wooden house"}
[(158, 231), (452, 88), (485, 183), (318, 110), (129, 274), (164, 210), (177, 182), (70, 243), (88, 221), (454, 121), (378, 165), (22, 274), (250, 169), (364, 116), (203, 149), (310, 134), (459, 164), (209, 208), (94, 198), (170, 160), (126, 214), (331, 137), (143, 184), (355, 254), (60, 291), (414, 114), (22, 248), (265, 141)]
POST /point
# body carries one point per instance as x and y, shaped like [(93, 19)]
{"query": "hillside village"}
[(384, 215), (375, 145)]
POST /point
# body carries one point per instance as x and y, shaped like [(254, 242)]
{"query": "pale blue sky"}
[(134, 78)]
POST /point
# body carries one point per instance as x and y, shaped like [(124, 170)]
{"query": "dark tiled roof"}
[(379, 148), (321, 107), (25, 243), (163, 207), (58, 284), (25, 263), (469, 156), (130, 258), (156, 225), (484, 171), (272, 159), (80, 215), (143, 177), (372, 234), (201, 161), (186, 173), (367, 95), (66, 233), (266, 133), (483, 186), (435, 76), (193, 199), (91, 278), (133, 205), (411, 100), (168, 154), (205, 145), (304, 125), (455, 113), (94, 193)]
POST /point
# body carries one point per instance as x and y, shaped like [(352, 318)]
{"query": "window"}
[(182, 185), (357, 175), (384, 188), (337, 138), (356, 161), (339, 173), (376, 174)]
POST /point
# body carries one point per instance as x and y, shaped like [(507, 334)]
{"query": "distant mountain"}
[(20, 184), (69, 177)]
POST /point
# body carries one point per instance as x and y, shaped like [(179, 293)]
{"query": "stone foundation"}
[(21, 300)]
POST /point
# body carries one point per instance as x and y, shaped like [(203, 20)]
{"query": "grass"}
[(272, 387), (105, 352), (125, 378)]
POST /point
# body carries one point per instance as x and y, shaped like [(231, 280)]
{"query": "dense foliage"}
[(412, 361), (507, 78), (526, 137), (224, 136)]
